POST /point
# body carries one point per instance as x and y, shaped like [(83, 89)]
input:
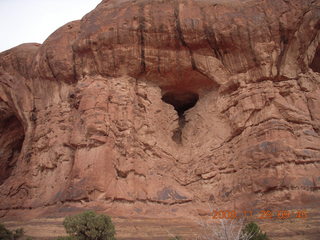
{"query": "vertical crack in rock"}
[(181, 101), (284, 41), (180, 34), (74, 69), (50, 67), (142, 40), (250, 43), (211, 36)]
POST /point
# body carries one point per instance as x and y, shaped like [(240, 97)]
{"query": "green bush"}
[(254, 230), (6, 234), (90, 226), (18, 233)]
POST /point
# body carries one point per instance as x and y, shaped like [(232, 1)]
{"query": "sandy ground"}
[(164, 228)]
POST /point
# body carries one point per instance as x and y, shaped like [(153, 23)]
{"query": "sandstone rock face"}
[(166, 103)]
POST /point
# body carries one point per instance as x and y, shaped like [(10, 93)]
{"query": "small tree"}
[(90, 226), (254, 230), (6, 234)]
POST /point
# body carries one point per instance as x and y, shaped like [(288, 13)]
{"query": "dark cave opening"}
[(315, 64), (181, 101), (11, 141)]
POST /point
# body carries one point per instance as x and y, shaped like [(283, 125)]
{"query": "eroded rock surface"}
[(166, 103)]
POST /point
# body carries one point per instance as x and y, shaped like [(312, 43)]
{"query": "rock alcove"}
[(181, 101), (11, 141)]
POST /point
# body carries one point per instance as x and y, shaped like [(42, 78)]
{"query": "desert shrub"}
[(18, 233), (225, 229), (254, 230), (231, 230), (90, 226), (6, 234)]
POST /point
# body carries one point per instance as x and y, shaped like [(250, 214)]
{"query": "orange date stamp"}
[(262, 214)]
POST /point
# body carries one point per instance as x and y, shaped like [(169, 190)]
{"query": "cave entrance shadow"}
[(315, 64), (181, 101), (11, 141)]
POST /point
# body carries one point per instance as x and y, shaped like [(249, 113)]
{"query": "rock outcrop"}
[(166, 103)]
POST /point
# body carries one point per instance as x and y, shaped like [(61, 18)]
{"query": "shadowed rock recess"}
[(161, 107)]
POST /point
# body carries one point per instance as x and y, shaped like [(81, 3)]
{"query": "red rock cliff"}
[(166, 103)]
